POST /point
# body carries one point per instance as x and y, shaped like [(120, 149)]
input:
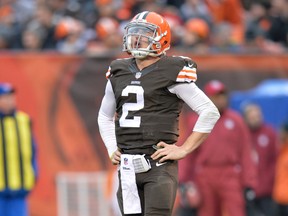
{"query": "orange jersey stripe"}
[(185, 76), (108, 73), (188, 71)]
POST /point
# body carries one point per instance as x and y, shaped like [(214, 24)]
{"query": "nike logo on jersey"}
[(160, 164), (190, 65)]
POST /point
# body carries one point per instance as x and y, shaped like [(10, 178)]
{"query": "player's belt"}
[(147, 151)]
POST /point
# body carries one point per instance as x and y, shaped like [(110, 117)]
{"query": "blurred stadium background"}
[(56, 54)]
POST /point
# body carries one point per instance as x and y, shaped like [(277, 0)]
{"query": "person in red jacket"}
[(265, 143), (222, 168)]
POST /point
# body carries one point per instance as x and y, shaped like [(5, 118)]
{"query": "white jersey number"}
[(139, 104)]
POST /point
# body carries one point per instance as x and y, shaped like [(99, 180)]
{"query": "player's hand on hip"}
[(116, 157), (168, 152)]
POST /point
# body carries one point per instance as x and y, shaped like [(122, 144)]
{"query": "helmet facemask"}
[(142, 39)]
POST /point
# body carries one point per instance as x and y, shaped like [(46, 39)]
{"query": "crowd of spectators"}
[(97, 26)]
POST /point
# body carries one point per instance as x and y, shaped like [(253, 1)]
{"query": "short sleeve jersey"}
[(146, 112)]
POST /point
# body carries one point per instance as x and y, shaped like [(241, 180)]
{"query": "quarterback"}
[(139, 113)]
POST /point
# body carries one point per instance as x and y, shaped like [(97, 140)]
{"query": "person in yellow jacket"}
[(281, 179), (18, 169)]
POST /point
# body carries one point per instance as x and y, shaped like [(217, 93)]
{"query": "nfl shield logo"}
[(138, 75), (125, 161)]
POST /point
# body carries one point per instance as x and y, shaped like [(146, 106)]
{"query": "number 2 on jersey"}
[(139, 104)]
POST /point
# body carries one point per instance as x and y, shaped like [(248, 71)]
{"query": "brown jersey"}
[(146, 112)]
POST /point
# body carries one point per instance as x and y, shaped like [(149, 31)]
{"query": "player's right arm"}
[(106, 123)]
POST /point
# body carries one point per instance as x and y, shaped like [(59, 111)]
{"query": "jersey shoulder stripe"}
[(187, 74), (179, 69), (108, 73)]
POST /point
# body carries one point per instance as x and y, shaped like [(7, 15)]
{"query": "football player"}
[(138, 117)]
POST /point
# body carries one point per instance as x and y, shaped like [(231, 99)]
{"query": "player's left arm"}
[(208, 116)]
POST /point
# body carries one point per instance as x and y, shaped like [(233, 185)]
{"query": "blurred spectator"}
[(257, 22), (88, 13), (226, 11), (17, 158), (280, 193), (59, 7), (222, 167), (222, 40), (171, 14), (265, 143), (230, 12), (247, 3), (44, 21), (124, 10), (108, 36), (32, 40), (70, 35), (23, 10), (177, 3), (276, 36), (106, 26), (196, 35), (195, 9), (9, 28), (278, 31)]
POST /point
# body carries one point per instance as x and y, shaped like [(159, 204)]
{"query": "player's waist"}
[(147, 150)]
